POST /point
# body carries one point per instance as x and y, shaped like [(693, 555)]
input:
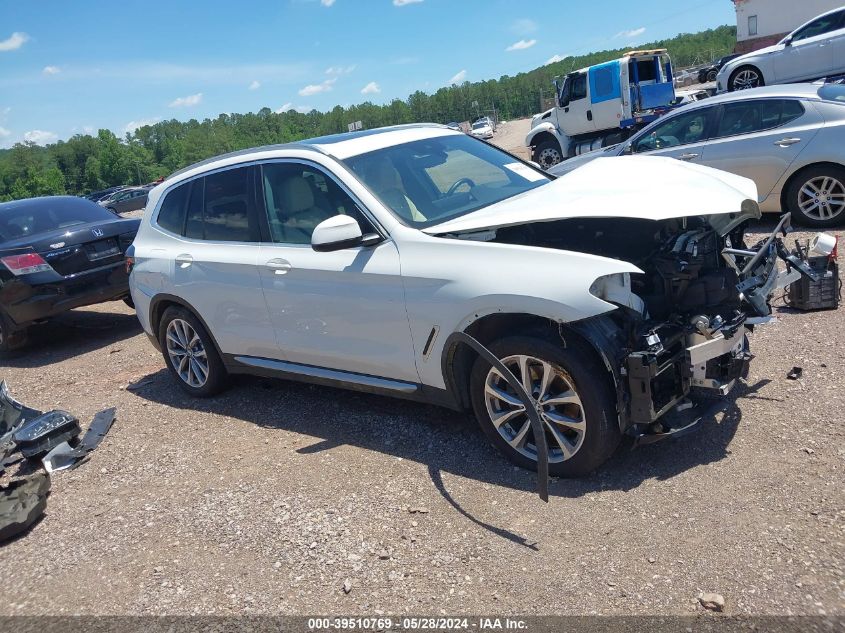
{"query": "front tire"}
[(548, 154), (816, 196), (576, 398), (190, 353), (745, 78)]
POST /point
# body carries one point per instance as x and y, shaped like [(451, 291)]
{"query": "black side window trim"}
[(709, 128)]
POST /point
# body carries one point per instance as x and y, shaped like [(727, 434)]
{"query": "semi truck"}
[(602, 105)]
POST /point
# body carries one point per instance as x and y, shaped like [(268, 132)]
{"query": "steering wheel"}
[(458, 183)]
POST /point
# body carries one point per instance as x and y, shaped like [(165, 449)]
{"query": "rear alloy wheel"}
[(817, 197), (712, 74), (190, 353), (548, 154), (745, 78), (571, 394)]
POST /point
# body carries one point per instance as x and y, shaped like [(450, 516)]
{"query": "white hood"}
[(647, 187)]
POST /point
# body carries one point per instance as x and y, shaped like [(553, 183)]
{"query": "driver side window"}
[(679, 130), (298, 197)]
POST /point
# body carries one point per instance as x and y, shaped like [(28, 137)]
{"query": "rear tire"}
[(190, 354), (580, 405), (548, 154), (11, 338), (711, 76), (816, 196)]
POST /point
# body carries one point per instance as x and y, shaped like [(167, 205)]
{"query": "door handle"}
[(279, 266), (589, 115), (688, 156), (184, 260), (786, 142)]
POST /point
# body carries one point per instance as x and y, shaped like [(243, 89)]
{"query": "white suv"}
[(813, 50), (354, 260)]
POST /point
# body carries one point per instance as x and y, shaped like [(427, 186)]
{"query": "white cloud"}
[(313, 89), (402, 3), (132, 125), (555, 58), (255, 85), (521, 45), (370, 88), (327, 3), (458, 78), (40, 137), (186, 102), (4, 132), (289, 106), (631, 33), (13, 42), (524, 26), (340, 70), (88, 129), (51, 70)]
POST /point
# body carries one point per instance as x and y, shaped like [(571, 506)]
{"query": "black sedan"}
[(58, 253), (708, 73)]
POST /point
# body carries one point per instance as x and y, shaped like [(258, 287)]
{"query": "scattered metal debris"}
[(794, 373), (26, 433), (22, 503)]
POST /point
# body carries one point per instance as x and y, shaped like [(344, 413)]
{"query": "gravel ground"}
[(269, 497)]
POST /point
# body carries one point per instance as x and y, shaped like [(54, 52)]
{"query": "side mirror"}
[(787, 41), (339, 232), (628, 149)]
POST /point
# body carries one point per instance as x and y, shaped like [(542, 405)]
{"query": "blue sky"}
[(73, 67)]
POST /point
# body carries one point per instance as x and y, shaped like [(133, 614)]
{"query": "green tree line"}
[(86, 163)]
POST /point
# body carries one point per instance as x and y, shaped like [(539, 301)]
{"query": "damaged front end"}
[(681, 326)]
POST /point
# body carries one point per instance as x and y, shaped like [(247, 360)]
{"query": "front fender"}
[(545, 127)]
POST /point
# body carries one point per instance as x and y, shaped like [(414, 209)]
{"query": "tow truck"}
[(602, 105)]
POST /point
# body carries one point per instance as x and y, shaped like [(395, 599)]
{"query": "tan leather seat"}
[(386, 183), (297, 210)]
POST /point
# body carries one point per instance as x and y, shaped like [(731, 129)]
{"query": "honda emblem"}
[(97, 232)]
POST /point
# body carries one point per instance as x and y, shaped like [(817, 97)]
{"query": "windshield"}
[(478, 125), (832, 92), (433, 180), (42, 215)]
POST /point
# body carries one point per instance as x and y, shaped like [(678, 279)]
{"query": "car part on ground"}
[(654, 284), (57, 253), (63, 456), (788, 139), (32, 434), (22, 503), (825, 292)]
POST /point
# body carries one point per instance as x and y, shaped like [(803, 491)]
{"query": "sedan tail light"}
[(25, 264)]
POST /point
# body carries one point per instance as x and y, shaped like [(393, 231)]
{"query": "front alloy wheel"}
[(570, 389), (746, 78), (560, 408)]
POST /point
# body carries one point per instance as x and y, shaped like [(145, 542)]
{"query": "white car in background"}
[(482, 129), (363, 260), (815, 49)]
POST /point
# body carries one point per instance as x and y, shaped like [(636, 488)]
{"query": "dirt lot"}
[(266, 499)]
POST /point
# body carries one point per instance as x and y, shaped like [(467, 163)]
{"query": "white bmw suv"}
[(361, 260)]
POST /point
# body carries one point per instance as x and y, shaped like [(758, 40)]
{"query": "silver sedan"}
[(790, 140)]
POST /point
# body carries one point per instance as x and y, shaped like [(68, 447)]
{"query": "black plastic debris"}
[(63, 456), (40, 435), (22, 503), (794, 373)]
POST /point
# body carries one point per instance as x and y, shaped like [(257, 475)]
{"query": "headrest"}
[(294, 195)]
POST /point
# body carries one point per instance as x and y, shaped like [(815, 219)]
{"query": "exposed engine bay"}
[(682, 325)]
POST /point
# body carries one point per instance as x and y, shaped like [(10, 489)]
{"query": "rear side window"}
[(758, 115), (171, 215), (228, 211)]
